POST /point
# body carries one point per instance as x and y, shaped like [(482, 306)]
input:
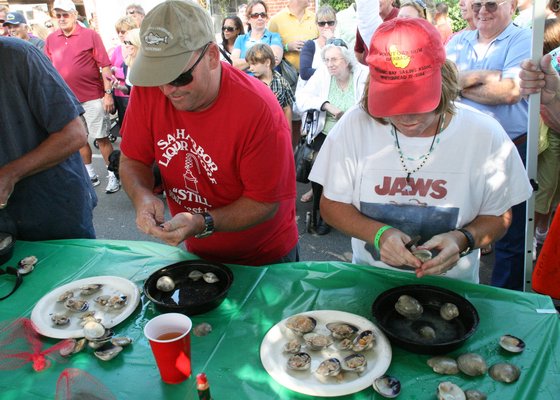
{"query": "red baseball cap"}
[(405, 60)]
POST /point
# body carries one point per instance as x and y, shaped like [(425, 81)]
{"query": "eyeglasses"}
[(324, 23), (132, 12), (128, 43), (228, 28), (48, 25), (491, 6), (257, 15), (186, 77), (62, 15), (337, 42)]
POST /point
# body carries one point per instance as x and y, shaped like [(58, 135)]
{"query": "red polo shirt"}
[(78, 58)]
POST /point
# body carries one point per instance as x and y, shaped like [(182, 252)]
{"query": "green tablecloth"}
[(258, 299)]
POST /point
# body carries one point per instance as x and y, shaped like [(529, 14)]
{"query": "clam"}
[(450, 391), (342, 330), (27, 264), (448, 311), (443, 365), (60, 319), (202, 329), (363, 341), (93, 330), (472, 364), (387, 386), (473, 394), (117, 302), (107, 352), (427, 332), (72, 346), (422, 255), (77, 305), (409, 307), (299, 361), (329, 367), (210, 277), (121, 341), (301, 324), (90, 289), (165, 284), (345, 344), (512, 344), (355, 363), (504, 372), (195, 275), (316, 341), (65, 296), (293, 346)]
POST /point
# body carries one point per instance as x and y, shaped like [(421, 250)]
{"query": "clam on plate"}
[(274, 359)]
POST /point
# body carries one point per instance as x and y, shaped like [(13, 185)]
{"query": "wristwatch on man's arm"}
[(470, 242), (208, 226)]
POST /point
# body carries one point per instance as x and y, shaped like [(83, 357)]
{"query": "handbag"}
[(310, 124), (304, 156), (289, 73)]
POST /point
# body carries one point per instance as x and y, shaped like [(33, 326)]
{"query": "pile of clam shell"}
[(309, 342), (473, 364)]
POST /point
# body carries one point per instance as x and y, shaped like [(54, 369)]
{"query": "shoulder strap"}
[(226, 56)]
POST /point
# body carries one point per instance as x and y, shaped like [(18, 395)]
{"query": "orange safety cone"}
[(546, 275)]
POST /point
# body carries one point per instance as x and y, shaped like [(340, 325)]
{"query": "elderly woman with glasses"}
[(412, 9), (232, 27), (335, 87), (257, 15)]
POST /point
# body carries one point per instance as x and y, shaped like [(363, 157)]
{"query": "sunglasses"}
[(186, 77), (491, 6), (132, 12), (337, 42), (325, 23), (128, 42), (48, 25), (62, 15), (228, 28), (257, 15)]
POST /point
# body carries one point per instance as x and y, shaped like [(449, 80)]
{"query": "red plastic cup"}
[(170, 340)]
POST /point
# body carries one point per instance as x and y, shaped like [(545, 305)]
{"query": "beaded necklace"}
[(423, 157)]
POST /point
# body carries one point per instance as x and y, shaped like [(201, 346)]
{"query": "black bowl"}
[(189, 297), (7, 243), (449, 335)]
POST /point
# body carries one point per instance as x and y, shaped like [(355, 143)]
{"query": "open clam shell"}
[(387, 386), (512, 344), (299, 361), (301, 324), (504, 372)]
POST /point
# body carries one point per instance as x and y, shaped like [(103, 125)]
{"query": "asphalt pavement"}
[(114, 218)]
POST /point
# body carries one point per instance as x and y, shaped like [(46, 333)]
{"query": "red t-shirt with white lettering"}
[(239, 146), (78, 58)]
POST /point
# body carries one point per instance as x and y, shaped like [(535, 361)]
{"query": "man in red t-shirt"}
[(220, 140), (78, 54)]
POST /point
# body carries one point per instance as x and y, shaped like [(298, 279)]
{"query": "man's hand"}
[(449, 246), (108, 103), (539, 78)]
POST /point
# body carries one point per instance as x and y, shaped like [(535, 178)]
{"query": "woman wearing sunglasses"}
[(336, 86), (257, 15), (232, 27)]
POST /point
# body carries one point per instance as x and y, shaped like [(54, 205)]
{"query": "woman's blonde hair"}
[(125, 24), (449, 92), (134, 37)]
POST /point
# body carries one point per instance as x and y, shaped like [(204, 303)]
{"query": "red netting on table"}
[(20, 344), (76, 384)]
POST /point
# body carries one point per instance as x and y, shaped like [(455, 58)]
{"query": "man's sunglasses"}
[(228, 28), (491, 6), (62, 15), (324, 23), (337, 42), (257, 15), (186, 77)]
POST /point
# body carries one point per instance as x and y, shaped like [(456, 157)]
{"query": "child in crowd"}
[(261, 64)]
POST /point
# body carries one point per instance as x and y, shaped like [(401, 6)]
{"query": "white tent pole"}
[(533, 140)]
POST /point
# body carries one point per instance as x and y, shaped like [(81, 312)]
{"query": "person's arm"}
[(288, 114), (276, 46), (306, 60), (368, 18), (238, 62), (542, 78), (108, 102), (52, 151), (488, 87)]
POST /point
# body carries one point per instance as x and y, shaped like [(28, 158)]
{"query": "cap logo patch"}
[(398, 59), (155, 39)]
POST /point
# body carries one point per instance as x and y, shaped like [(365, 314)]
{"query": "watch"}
[(108, 91), (470, 242), (208, 226)]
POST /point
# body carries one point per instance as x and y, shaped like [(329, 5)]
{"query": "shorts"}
[(97, 120), (548, 175)]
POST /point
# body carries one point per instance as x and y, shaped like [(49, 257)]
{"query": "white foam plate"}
[(112, 285), (275, 360)]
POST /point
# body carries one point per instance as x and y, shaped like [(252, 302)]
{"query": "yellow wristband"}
[(378, 235)]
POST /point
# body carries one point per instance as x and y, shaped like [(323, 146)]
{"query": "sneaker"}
[(113, 185), (94, 180)]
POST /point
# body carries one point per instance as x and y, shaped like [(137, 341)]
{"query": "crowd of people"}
[(391, 86)]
